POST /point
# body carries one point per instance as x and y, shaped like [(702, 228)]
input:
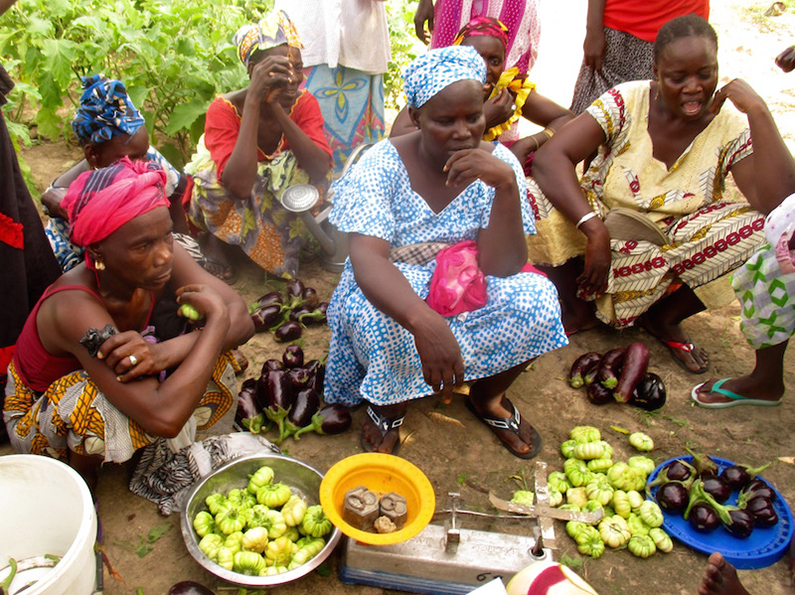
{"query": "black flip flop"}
[(513, 424), (384, 425)]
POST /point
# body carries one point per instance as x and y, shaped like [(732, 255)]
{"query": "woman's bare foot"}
[(217, 262), (686, 353), (720, 578), (772, 389), (520, 443)]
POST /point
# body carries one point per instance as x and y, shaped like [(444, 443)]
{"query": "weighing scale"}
[(449, 559)]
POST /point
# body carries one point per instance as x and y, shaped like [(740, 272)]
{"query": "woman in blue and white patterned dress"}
[(438, 186)]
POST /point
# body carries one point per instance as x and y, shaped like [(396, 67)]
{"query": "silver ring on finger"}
[(133, 361)]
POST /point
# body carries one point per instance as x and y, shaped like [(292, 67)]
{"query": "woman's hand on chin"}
[(740, 93), (442, 364), (468, 165), (269, 77)]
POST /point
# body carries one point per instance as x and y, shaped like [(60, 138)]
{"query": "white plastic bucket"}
[(46, 509)]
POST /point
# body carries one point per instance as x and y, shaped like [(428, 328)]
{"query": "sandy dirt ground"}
[(450, 445)]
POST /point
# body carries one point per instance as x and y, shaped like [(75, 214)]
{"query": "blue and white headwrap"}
[(439, 68), (105, 111)]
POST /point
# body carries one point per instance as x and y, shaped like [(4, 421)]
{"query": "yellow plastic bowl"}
[(381, 474)]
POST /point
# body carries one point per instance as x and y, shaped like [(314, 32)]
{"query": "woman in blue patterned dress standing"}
[(409, 320)]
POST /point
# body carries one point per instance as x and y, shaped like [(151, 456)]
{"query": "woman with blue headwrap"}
[(435, 292), (256, 143), (108, 127)]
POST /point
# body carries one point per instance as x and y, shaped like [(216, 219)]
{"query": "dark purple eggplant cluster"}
[(288, 395), (620, 375), (287, 316), (699, 492)]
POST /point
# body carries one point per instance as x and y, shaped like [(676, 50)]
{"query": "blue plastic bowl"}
[(763, 548)]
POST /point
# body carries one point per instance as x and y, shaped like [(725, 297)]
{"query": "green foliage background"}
[(173, 56)]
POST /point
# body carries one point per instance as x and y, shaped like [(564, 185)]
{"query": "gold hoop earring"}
[(99, 265)]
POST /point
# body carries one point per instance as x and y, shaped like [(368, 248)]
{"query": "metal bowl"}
[(302, 479)]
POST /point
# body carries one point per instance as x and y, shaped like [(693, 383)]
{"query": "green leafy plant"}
[(173, 57)]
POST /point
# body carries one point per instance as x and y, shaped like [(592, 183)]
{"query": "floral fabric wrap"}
[(779, 227)]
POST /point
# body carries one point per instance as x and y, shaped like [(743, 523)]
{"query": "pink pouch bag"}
[(458, 285)]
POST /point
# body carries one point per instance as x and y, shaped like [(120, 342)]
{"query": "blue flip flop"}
[(735, 398)]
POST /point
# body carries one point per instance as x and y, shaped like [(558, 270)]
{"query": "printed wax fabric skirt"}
[(352, 104), (767, 298), (701, 248), (626, 58), (269, 234), (372, 357), (73, 415)]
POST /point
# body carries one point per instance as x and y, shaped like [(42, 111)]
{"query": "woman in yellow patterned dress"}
[(666, 148)]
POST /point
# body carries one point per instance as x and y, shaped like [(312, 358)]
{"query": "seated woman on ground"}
[(109, 127), (257, 142), (97, 386), (508, 96), (666, 147), (438, 188)]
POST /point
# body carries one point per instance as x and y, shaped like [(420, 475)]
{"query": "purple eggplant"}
[(332, 419), (322, 307), (288, 331), (580, 366), (274, 297), (310, 298), (271, 364), (318, 371), (280, 398), (742, 523), (756, 489), (677, 470), (307, 403), (266, 317), (717, 487), (189, 588), (610, 367), (310, 317), (298, 313), (598, 394), (246, 402), (672, 497), (703, 464), (589, 377), (293, 356), (633, 369), (295, 289), (263, 393), (298, 378), (650, 393), (703, 518), (738, 476), (765, 514)]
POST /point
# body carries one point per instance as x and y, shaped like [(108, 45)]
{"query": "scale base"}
[(422, 564)]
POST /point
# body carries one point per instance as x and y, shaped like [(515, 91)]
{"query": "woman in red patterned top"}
[(257, 142)]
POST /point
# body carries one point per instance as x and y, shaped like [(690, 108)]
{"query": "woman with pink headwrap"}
[(101, 369)]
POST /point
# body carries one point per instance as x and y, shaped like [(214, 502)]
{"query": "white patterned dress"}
[(371, 356)]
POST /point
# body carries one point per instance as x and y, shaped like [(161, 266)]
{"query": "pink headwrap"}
[(99, 202)]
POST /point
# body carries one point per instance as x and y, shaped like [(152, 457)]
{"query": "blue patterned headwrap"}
[(439, 68), (105, 111)]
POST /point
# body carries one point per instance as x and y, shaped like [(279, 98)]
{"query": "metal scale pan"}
[(451, 560)]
